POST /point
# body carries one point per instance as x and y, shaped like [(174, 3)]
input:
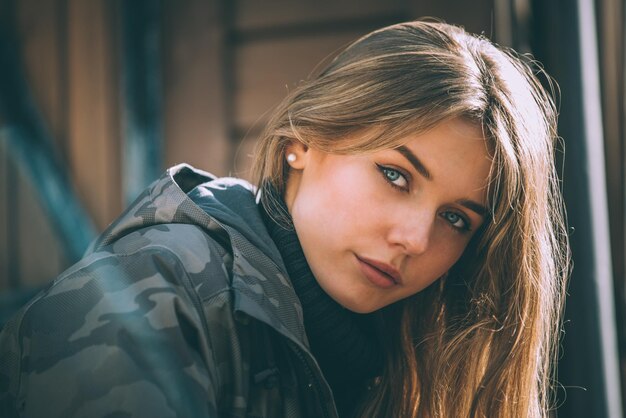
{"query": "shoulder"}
[(130, 317), (136, 273)]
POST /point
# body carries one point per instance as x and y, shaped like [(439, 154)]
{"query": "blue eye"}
[(394, 177), (456, 220)]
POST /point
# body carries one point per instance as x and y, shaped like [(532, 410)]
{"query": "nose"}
[(413, 231)]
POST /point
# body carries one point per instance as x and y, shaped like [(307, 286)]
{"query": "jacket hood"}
[(176, 197), (227, 210)]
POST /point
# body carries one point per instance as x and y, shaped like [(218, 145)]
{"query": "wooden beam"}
[(42, 35), (565, 42), (94, 122), (142, 156), (196, 129), (30, 149)]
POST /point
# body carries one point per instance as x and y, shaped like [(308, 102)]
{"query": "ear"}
[(296, 154)]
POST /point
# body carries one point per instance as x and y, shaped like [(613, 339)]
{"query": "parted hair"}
[(481, 341)]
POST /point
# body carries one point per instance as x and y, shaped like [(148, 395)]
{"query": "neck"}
[(344, 343)]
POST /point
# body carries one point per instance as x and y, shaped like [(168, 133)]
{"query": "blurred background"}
[(98, 97)]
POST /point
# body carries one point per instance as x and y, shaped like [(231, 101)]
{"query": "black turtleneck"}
[(344, 343)]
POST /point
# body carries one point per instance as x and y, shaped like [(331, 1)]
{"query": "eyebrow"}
[(408, 154), (473, 206), (470, 204)]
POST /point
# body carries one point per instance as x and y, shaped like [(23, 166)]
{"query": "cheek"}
[(447, 254), (440, 258), (337, 199)]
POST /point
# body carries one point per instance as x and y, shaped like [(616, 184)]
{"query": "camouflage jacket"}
[(182, 307)]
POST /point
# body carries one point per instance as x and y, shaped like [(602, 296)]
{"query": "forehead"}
[(451, 139), (455, 153)]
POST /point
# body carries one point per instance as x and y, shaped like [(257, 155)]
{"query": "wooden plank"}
[(142, 150), (94, 126), (611, 47), (254, 14), (266, 71), (40, 258), (475, 16), (41, 31), (30, 150), (194, 114)]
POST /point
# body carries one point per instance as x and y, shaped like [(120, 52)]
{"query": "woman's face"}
[(379, 227)]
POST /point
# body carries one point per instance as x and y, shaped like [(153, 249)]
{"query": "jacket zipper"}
[(312, 379)]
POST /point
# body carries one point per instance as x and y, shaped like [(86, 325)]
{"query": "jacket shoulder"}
[(126, 319)]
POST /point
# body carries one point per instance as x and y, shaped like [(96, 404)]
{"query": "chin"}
[(357, 306), (361, 310), (352, 296)]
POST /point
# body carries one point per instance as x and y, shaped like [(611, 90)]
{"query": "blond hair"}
[(482, 341)]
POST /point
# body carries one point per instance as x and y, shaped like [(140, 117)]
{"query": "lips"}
[(379, 273)]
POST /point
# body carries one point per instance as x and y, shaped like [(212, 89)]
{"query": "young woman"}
[(404, 256)]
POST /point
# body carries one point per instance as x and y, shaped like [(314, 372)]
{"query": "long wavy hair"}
[(482, 341)]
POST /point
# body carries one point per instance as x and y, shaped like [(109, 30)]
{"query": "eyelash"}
[(467, 226), (384, 170)]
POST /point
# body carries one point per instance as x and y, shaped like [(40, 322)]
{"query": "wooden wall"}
[(612, 48), (224, 65)]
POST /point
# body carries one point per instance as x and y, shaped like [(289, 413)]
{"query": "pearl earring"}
[(291, 157)]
